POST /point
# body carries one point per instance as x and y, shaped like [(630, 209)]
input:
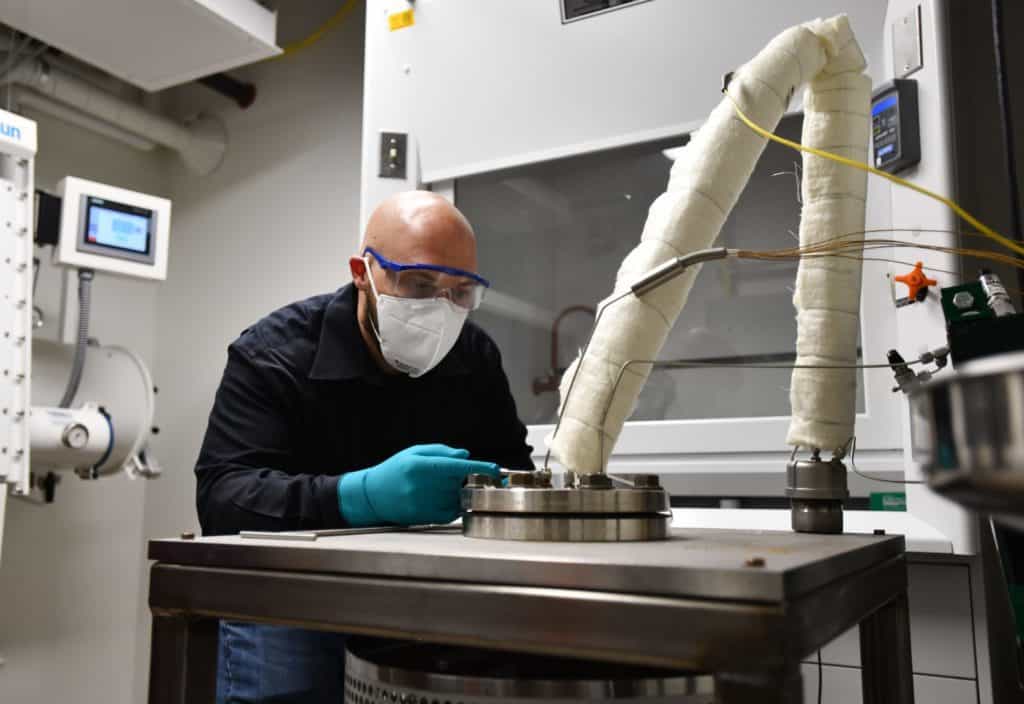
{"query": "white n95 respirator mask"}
[(415, 334)]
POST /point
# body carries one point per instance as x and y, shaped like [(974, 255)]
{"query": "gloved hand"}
[(421, 484)]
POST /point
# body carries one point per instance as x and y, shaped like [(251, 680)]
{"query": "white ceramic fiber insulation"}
[(827, 294), (704, 184)]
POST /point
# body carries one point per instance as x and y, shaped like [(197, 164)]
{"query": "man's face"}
[(417, 228)]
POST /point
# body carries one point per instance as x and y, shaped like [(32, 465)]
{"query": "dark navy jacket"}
[(302, 402)]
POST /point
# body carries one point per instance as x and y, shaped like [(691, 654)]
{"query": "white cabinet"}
[(942, 635), (941, 624), (842, 685)]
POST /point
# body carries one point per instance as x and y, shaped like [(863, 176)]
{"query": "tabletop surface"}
[(747, 565)]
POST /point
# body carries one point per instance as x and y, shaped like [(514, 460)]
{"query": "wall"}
[(70, 575), (275, 223), (645, 71)]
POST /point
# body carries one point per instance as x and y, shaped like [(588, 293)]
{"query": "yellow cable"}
[(980, 226), (318, 34)]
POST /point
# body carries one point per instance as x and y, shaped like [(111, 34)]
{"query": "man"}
[(369, 406)]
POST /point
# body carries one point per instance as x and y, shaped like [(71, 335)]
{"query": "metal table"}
[(748, 606)]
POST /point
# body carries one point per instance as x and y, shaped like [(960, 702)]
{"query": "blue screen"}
[(884, 105), (115, 228)]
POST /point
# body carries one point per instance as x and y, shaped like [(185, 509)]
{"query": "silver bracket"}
[(907, 49)]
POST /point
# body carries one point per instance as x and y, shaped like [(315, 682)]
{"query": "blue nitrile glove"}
[(421, 484)]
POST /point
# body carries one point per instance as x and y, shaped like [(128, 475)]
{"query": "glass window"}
[(551, 237)]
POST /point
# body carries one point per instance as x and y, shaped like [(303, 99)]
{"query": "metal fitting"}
[(817, 490), (998, 299), (646, 481), (595, 481), (478, 481), (521, 480), (963, 300)]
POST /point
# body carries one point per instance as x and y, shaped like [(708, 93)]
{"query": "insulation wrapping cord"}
[(85, 277)]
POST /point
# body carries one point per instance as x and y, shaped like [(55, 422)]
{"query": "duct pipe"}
[(244, 94), (47, 106), (201, 145)]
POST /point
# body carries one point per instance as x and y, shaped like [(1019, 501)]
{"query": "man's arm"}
[(242, 482)]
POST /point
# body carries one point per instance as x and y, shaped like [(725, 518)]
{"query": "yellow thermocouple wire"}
[(332, 22), (977, 224)]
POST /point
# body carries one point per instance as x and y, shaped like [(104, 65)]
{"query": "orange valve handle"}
[(916, 281)]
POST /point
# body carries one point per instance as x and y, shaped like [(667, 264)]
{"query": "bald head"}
[(421, 227)]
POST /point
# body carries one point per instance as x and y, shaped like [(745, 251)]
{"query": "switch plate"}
[(907, 52), (393, 152)]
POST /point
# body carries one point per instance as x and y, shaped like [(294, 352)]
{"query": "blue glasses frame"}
[(395, 266)]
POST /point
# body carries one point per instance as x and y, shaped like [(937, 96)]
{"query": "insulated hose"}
[(85, 277)]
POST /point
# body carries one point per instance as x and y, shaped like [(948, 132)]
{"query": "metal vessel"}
[(529, 508), (384, 671), (968, 436)]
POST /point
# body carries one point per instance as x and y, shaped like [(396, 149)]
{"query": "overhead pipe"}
[(201, 145), (39, 103)]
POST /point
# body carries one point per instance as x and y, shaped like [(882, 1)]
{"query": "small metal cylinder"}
[(998, 299), (817, 490)]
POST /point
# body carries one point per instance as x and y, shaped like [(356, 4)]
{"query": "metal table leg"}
[(887, 674), (782, 686), (183, 661)]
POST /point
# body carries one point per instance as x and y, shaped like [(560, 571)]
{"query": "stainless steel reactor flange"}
[(394, 672), (591, 510)]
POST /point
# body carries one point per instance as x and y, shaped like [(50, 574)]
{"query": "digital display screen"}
[(117, 226), (885, 127), (883, 105), (576, 9)]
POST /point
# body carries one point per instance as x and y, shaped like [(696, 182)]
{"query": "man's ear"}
[(357, 265)]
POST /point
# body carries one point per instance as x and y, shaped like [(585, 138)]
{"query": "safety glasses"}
[(424, 281)]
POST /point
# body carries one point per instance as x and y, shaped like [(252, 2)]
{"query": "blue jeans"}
[(264, 664)]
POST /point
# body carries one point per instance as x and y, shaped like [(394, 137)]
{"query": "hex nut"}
[(963, 300), (646, 481), (595, 481)]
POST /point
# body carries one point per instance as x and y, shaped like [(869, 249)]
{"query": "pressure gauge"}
[(75, 437)]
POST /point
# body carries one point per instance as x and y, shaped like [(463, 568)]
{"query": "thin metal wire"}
[(576, 371), (853, 467), (819, 676)]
